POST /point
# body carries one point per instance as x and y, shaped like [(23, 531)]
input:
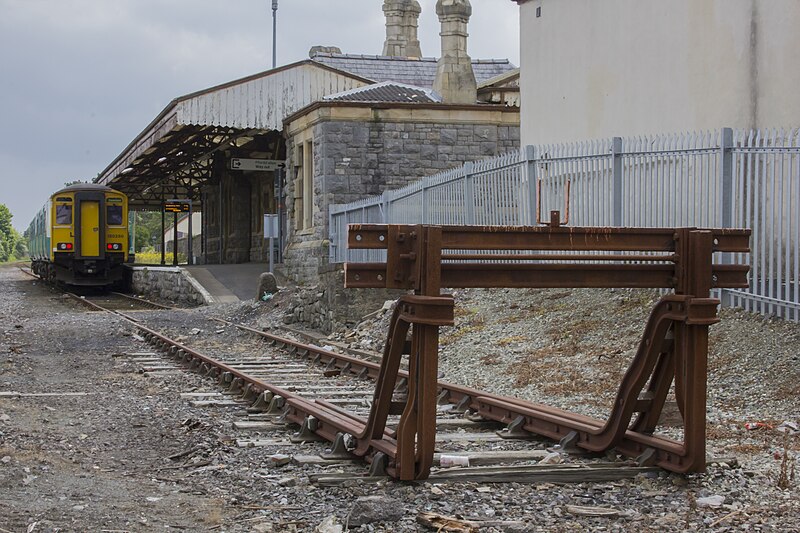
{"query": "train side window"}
[(64, 215), (114, 215)]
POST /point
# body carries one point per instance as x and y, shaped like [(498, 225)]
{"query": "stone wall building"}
[(424, 117), (343, 151)]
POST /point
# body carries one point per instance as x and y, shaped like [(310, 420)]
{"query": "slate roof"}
[(387, 91), (416, 72)]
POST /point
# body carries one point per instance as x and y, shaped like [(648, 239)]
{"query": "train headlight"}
[(114, 246), (65, 246)]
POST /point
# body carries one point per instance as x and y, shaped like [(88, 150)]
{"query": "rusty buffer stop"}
[(673, 349)]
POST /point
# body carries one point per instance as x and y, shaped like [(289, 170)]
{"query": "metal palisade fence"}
[(725, 178)]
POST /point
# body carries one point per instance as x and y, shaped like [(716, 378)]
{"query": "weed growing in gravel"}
[(472, 323), (491, 359), (461, 311), (511, 340), (459, 333)]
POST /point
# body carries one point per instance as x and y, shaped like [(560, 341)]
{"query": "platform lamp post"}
[(274, 32)]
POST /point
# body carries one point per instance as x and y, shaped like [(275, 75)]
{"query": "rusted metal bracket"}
[(674, 345), (555, 216)]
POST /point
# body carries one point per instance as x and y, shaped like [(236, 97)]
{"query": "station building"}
[(330, 129)]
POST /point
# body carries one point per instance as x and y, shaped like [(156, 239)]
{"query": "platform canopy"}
[(176, 152)]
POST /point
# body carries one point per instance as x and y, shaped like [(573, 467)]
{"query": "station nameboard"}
[(177, 206), (265, 165)]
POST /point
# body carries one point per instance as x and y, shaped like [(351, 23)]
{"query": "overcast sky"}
[(79, 79)]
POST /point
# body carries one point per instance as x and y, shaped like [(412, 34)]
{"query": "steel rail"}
[(332, 422), (668, 453), (406, 453), (145, 302)]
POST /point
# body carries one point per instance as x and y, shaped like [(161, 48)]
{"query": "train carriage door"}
[(90, 229)]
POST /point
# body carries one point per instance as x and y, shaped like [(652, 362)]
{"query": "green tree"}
[(74, 182), (11, 243), (148, 230), (5, 221), (21, 246)]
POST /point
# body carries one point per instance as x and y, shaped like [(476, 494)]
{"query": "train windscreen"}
[(114, 215), (64, 215)]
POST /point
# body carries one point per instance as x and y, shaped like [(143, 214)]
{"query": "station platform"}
[(229, 283)]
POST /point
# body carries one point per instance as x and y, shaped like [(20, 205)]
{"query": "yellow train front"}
[(80, 237)]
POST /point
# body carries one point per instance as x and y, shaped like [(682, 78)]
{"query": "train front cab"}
[(89, 237)]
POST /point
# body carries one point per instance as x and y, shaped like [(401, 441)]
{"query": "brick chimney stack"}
[(455, 79), (401, 28)]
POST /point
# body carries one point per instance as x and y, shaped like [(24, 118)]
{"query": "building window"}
[(308, 185), (304, 186), (298, 188)]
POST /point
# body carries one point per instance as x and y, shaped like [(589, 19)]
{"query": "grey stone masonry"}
[(328, 306), (170, 284), (364, 159), (353, 160)]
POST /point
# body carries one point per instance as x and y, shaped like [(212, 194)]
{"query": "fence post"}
[(726, 176), (530, 173), (469, 193), (424, 203), (385, 207), (726, 196), (616, 177), (332, 236)]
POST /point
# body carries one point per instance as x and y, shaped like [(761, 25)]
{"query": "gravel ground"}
[(100, 461)]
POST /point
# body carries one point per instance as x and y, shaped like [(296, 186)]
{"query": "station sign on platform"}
[(265, 165), (177, 206), (271, 227)]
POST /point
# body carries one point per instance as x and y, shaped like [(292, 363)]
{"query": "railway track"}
[(285, 390), (398, 420), (109, 301), (117, 301)]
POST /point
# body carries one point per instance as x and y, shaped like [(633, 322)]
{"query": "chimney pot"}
[(455, 79), (402, 20)]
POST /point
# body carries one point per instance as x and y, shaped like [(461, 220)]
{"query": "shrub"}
[(154, 258)]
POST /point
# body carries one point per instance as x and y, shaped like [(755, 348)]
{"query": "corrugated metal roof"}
[(176, 148), (263, 102), (258, 102), (387, 92), (417, 72)]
